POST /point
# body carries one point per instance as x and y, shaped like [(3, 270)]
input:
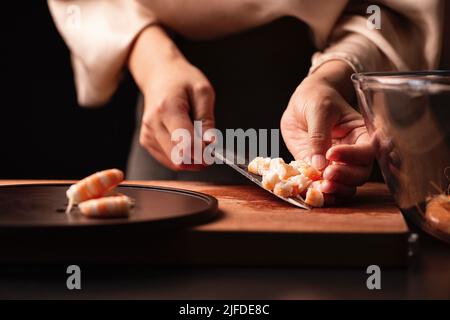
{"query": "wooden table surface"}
[(255, 228), (427, 275)]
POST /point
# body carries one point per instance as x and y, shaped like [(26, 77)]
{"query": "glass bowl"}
[(407, 115)]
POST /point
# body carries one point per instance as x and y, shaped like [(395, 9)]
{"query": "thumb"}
[(321, 120)]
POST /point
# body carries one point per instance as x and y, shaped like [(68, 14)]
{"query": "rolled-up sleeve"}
[(99, 34), (409, 37)]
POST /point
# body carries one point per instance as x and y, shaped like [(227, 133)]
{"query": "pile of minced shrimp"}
[(296, 179), (96, 198)]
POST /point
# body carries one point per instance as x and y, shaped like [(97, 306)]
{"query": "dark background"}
[(43, 132)]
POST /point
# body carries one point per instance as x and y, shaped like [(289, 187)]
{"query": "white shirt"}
[(100, 33)]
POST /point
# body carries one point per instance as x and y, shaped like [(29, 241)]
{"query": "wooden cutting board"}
[(253, 228)]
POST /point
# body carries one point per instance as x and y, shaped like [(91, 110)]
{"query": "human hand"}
[(175, 94), (319, 126)]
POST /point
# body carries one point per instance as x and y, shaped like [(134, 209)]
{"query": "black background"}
[(43, 132)]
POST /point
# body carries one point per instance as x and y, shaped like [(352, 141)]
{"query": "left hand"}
[(319, 126)]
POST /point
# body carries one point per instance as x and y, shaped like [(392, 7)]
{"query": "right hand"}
[(175, 94)]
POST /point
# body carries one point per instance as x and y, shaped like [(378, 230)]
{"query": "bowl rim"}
[(416, 80)]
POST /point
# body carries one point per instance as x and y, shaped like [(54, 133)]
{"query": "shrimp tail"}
[(70, 205)]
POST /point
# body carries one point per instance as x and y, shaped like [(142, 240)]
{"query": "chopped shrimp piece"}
[(259, 165), (307, 170), (286, 171), (283, 170), (254, 165), (275, 163), (314, 198), (316, 184), (284, 189), (300, 183), (269, 180), (298, 164)]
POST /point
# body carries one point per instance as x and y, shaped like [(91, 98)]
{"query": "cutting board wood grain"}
[(254, 228)]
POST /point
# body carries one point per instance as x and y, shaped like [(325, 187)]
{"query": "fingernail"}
[(328, 174), (330, 155), (318, 161)]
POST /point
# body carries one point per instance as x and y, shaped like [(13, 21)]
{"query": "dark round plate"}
[(42, 205)]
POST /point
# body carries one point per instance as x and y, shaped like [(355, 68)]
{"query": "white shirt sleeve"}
[(409, 37), (99, 34)]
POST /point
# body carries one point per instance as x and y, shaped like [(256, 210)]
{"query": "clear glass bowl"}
[(408, 117)]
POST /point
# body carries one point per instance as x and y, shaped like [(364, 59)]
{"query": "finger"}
[(321, 119), (203, 99), (177, 123), (349, 175), (338, 189), (151, 135), (357, 154), (176, 116), (152, 146), (169, 147), (159, 155), (353, 120), (156, 139)]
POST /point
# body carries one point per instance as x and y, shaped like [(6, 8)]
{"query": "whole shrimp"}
[(94, 186), (107, 207)]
